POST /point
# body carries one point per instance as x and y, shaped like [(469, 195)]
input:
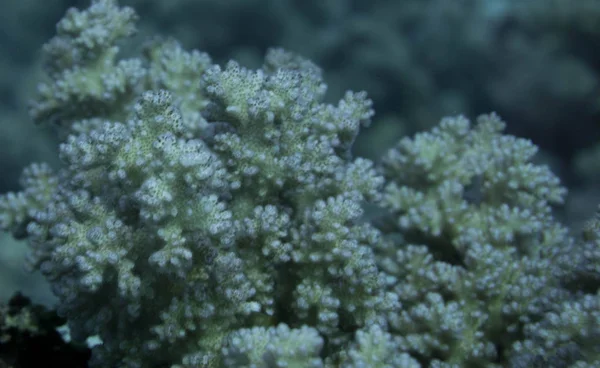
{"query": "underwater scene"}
[(300, 183)]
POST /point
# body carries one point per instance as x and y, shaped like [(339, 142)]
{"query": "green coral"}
[(210, 216), (199, 200), (474, 264)]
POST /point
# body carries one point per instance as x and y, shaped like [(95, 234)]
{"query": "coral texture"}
[(213, 216)]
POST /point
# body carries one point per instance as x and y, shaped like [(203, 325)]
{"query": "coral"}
[(187, 212), (564, 338), (475, 261), (214, 216)]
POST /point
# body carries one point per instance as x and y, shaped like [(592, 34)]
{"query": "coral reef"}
[(214, 216)]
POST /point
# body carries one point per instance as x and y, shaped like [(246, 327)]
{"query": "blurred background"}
[(534, 62)]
